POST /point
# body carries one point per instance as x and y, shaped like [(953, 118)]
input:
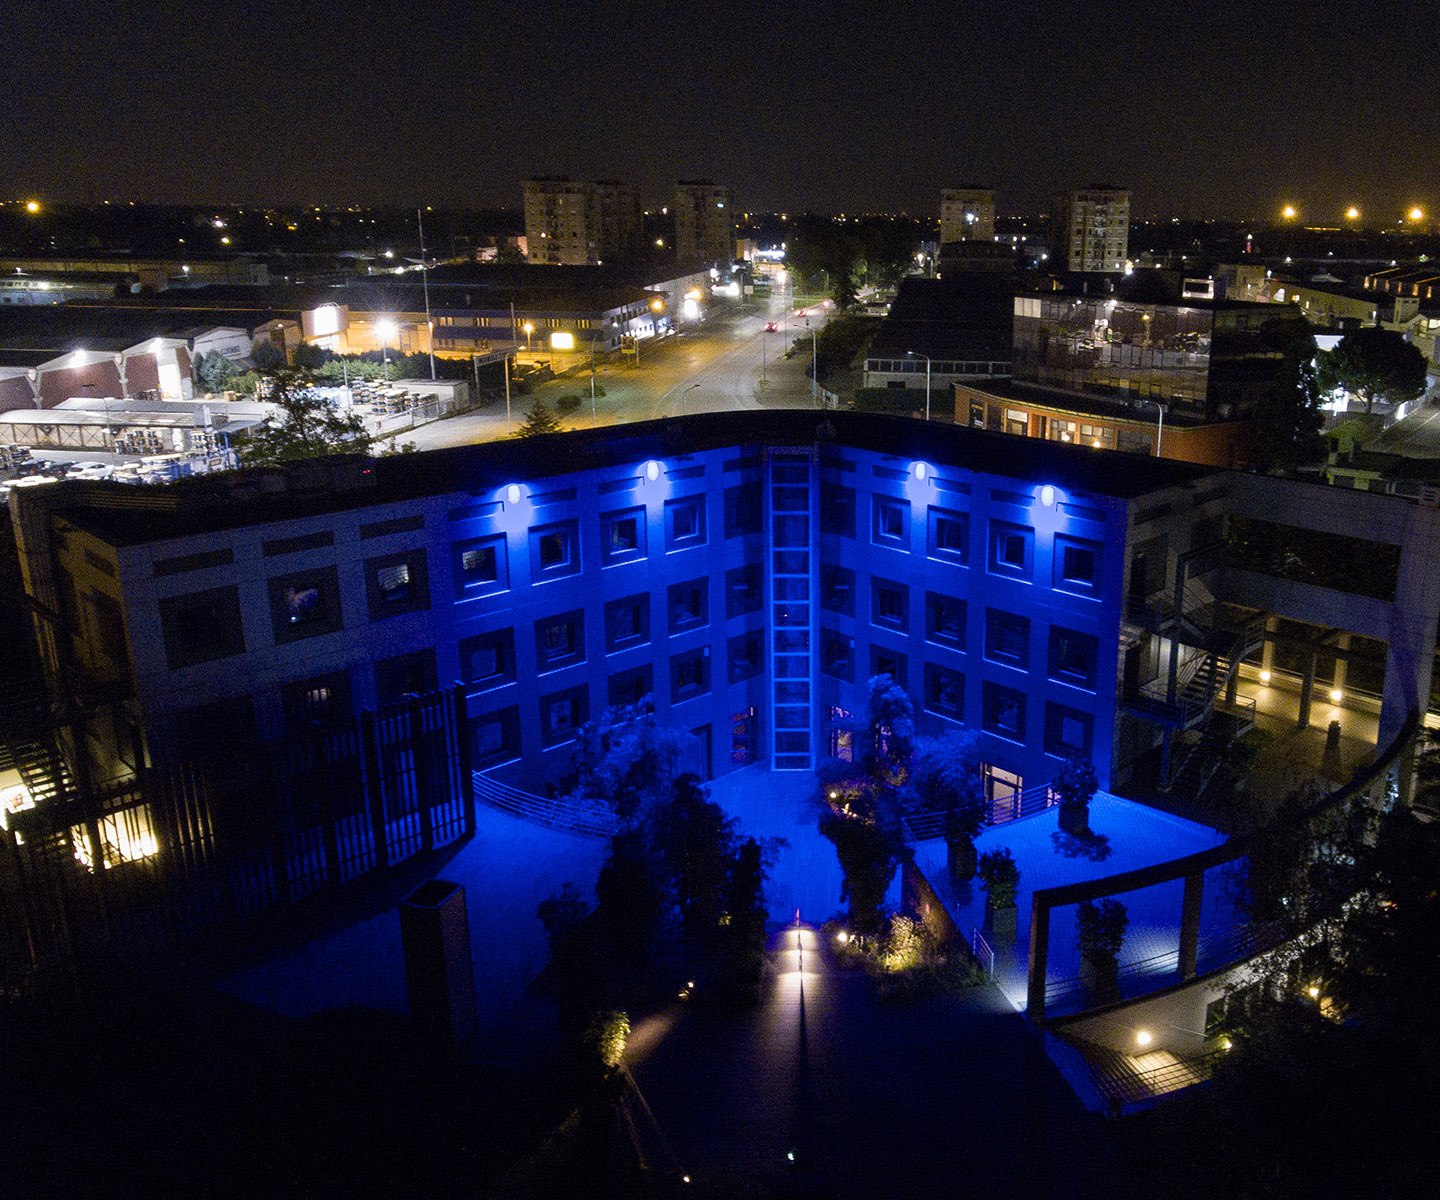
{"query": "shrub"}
[(1000, 877), (1101, 929), (607, 1036), (567, 405)]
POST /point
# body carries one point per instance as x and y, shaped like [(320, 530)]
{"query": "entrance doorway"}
[(1002, 792)]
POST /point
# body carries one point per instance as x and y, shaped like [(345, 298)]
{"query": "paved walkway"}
[(945, 1096)]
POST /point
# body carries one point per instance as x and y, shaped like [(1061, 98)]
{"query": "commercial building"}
[(579, 222), (704, 223), (749, 574), (943, 331), (967, 215), (1090, 230)]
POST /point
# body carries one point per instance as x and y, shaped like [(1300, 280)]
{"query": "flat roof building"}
[(1090, 230)]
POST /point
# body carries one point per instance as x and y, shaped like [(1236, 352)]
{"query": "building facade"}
[(967, 215), (1090, 230), (704, 223), (580, 222)]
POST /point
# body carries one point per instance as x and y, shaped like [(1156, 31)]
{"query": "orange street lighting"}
[(1417, 213), (32, 206), (1288, 212), (657, 305), (1352, 213)]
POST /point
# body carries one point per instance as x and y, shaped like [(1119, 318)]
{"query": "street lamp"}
[(529, 328), (814, 366), (926, 357), (1160, 432), (386, 329)]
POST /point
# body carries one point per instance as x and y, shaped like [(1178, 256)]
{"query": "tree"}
[(741, 965), (306, 427), (945, 777), (214, 372), (891, 737), (694, 841), (266, 355), (625, 760), (1288, 413), (538, 421), (1374, 364)]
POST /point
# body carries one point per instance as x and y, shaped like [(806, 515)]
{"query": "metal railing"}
[(587, 820), (1031, 802), (983, 951)]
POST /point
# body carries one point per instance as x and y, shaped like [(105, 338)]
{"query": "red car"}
[(770, 326)]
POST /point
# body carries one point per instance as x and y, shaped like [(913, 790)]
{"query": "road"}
[(728, 363), (929, 1097)]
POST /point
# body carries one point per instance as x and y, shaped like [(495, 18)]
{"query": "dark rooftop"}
[(124, 514)]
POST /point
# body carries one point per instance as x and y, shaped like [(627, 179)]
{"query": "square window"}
[(1067, 730), (304, 605), (623, 535), (1073, 657), (1012, 549), (629, 689), (945, 620), (1007, 638), (397, 583), (742, 590), (744, 653), (837, 590), (488, 658), (944, 691), (319, 703), (495, 737), (563, 713), (560, 640), (837, 655), (1004, 711), (889, 527), (688, 605), (690, 673), (884, 661), (555, 550), (742, 510), (889, 604), (684, 522), (480, 567), (1077, 565), (949, 535), (627, 622), (405, 675)]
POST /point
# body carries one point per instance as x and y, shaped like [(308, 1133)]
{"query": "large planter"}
[(961, 858), (1101, 979), (1075, 817), (1000, 921)]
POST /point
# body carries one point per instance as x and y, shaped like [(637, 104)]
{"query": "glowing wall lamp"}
[(512, 493), (920, 470), (1143, 1038), (1047, 496), (652, 470)]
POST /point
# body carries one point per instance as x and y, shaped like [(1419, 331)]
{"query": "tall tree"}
[(1374, 364), (539, 420), (1288, 414), (307, 426)]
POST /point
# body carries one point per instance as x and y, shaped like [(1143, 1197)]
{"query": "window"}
[(688, 605), (1077, 565), (742, 590), (945, 620), (495, 737), (319, 703), (397, 583), (627, 622), (488, 658), (949, 535), (884, 661), (626, 689), (684, 523), (837, 655), (560, 640), (1011, 549), (837, 509), (304, 605), (1067, 730), (622, 536), (1073, 657), (562, 714), (554, 550), (689, 673), (480, 567), (837, 589), (889, 526), (742, 510), (404, 675), (744, 652), (1007, 638), (889, 604), (944, 691), (1004, 711)]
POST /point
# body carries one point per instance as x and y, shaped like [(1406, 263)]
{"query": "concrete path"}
[(945, 1096)]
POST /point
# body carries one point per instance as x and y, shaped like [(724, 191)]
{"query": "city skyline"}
[(1235, 112)]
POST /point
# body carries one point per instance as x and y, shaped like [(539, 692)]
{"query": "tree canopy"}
[(307, 426), (539, 420), (1374, 364), (1288, 415)]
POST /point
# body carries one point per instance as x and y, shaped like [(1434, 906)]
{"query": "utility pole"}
[(425, 280), (507, 394)]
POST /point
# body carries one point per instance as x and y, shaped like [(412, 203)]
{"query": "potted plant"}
[(946, 778), (1076, 783), (1001, 878), (1101, 931)]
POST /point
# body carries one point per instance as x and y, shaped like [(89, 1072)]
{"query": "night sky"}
[(1226, 108)]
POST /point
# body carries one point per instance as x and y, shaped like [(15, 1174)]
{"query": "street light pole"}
[(1160, 432), (926, 357), (814, 366), (425, 280)]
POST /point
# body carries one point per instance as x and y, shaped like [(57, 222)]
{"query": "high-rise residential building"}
[(704, 222), (1090, 230), (967, 215), (574, 222)]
